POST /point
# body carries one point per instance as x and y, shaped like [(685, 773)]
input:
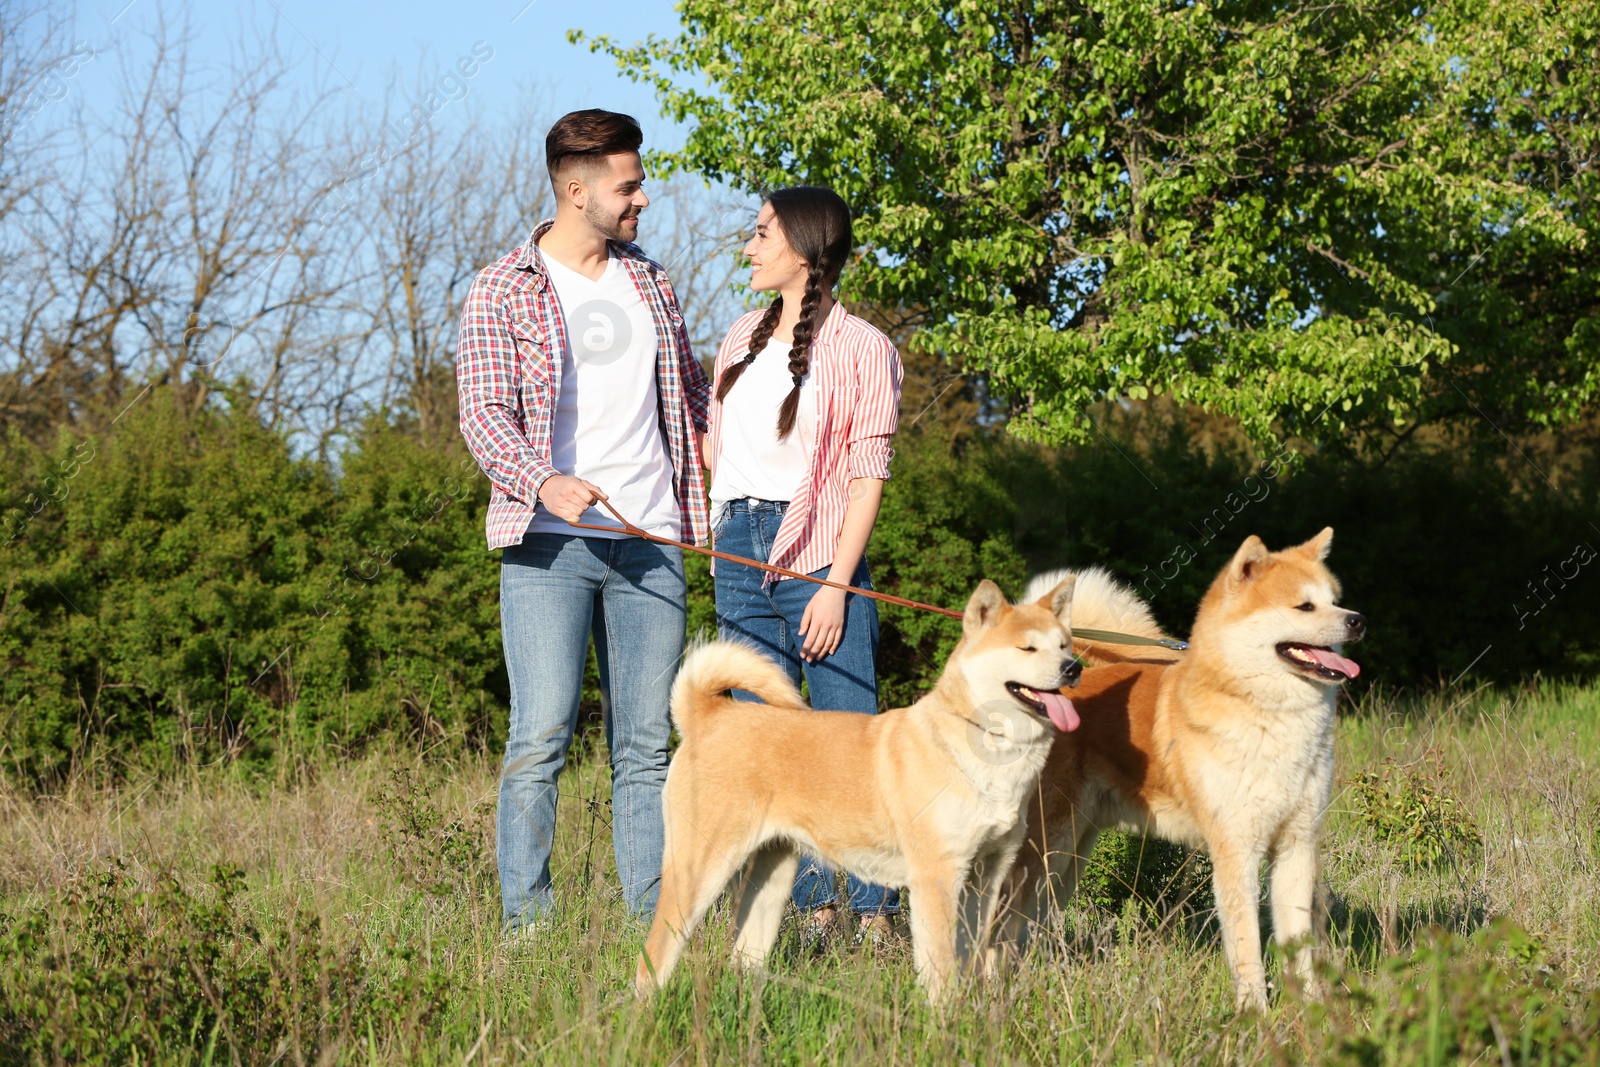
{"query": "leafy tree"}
[(1314, 217)]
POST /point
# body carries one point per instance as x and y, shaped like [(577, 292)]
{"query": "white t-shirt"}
[(607, 428), (751, 461)]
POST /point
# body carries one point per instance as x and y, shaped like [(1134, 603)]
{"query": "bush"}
[(188, 590), (1447, 551), (1157, 878), (945, 525), (414, 595), (112, 971), (196, 592), (1487, 998), (437, 855), (1409, 810), (164, 599)]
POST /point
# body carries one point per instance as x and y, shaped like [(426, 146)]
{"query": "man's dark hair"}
[(587, 137)]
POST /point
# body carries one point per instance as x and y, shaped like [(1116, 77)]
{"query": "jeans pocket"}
[(735, 532)]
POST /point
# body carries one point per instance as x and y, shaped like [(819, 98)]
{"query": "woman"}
[(807, 397)]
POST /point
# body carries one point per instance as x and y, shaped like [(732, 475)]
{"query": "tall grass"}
[(345, 912)]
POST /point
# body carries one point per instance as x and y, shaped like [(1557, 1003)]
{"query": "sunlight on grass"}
[(348, 912)]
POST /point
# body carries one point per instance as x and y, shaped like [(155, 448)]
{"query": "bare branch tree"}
[(696, 234), (219, 228), (441, 208)]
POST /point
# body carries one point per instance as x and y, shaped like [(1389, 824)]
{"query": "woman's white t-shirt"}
[(751, 461)]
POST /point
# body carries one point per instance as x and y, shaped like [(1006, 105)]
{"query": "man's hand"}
[(822, 625), (568, 497)]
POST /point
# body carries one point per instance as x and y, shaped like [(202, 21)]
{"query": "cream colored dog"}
[(1228, 745), (928, 796)]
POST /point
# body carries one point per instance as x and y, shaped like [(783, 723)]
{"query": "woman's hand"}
[(822, 626)]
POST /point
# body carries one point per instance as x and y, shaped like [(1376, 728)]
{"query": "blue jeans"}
[(768, 616), (555, 590)]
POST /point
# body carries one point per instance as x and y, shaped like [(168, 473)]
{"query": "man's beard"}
[(606, 223)]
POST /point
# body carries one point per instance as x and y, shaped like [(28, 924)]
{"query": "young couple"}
[(577, 385)]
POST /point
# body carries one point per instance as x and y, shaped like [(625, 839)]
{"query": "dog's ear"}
[(1318, 546), (1059, 600), (1249, 561), (983, 609)]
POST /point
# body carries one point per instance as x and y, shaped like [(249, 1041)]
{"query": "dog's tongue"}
[(1335, 662), (1061, 711)]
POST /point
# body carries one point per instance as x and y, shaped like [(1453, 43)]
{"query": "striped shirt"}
[(508, 375), (856, 375)]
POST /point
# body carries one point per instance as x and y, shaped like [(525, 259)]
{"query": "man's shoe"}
[(519, 937)]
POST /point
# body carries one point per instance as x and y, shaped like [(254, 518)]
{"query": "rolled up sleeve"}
[(487, 383), (879, 374)]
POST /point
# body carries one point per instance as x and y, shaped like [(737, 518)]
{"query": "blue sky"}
[(355, 48)]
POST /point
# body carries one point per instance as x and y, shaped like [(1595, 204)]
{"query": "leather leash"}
[(1104, 636)]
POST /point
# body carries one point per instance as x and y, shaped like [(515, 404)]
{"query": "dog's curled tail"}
[(1100, 602), (714, 667)]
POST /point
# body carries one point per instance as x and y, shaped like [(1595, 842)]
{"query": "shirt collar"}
[(528, 254), (833, 324)]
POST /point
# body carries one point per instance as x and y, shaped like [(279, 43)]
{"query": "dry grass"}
[(1111, 988)]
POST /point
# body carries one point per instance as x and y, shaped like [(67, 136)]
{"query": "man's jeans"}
[(554, 589), (769, 618)]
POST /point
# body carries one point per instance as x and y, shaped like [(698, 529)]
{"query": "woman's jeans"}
[(768, 616), (554, 590)]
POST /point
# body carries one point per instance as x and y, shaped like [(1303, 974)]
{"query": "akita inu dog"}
[(929, 796), (1228, 745)]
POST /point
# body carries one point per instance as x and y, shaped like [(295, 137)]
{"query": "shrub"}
[(944, 526), (1487, 998), (160, 602), (1157, 878), (433, 853), (188, 589), (110, 971), (1408, 809), (1446, 550)]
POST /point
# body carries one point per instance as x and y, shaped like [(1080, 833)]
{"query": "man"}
[(577, 385)]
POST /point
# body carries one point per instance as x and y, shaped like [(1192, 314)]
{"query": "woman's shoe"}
[(875, 931), (818, 929)]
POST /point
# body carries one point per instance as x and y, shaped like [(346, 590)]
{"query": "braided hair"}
[(816, 223)]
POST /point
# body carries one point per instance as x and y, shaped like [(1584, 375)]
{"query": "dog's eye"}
[(1307, 606), (1028, 648)]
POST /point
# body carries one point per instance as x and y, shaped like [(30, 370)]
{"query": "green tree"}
[(1312, 217)]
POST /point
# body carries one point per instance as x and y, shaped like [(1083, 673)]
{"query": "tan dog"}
[(1228, 745), (928, 796)]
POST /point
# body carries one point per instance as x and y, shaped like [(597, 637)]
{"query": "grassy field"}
[(347, 913)]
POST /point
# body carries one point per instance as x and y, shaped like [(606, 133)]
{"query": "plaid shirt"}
[(508, 373)]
